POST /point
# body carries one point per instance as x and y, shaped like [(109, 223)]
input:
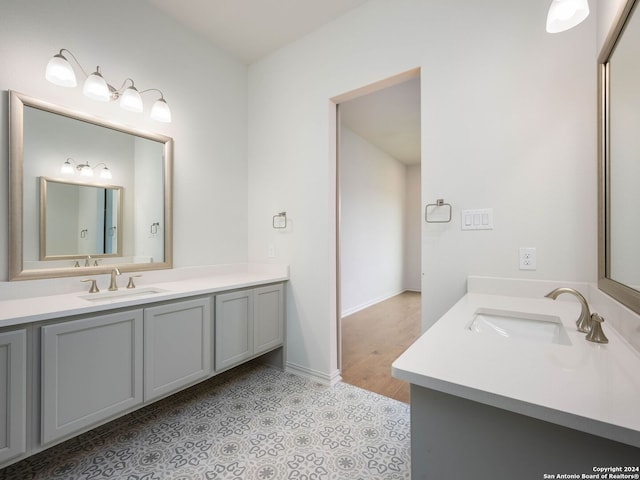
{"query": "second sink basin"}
[(519, 325), (122, 294)]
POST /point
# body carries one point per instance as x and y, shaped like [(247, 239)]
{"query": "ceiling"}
[(389, 119), (252, 29)]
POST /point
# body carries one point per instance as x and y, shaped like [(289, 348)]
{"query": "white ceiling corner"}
[(251, 29)]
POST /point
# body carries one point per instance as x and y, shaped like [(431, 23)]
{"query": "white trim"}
[(315, 375), (370, 303)]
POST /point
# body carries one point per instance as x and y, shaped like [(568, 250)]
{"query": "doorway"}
[(379, 231)]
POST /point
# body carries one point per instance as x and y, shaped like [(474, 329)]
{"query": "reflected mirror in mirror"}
[(79, 218), (135, 235), (619, 160)]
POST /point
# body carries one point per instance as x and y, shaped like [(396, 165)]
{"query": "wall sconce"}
[(566, 14), (85, 169), (60, 72)]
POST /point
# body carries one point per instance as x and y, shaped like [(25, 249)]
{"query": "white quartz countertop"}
[(37, 308), (586, 386)]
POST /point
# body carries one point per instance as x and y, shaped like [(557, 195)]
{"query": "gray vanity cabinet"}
[(233, 332), (91, 371), (13, 393), (248, 323), (268, 317), (177, 346)]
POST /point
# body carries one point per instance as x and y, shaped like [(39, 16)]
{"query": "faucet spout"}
[(584, 322), (113, 285)]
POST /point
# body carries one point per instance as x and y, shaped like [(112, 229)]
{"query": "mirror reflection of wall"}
[(136, 165), (624, 163)]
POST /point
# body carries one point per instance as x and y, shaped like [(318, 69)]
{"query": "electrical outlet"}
[(528, 258)]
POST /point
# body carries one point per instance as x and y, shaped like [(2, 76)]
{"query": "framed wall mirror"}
[(619, 160), (65, 219)]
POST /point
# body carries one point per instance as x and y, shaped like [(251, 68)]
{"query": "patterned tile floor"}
[(254, 422)]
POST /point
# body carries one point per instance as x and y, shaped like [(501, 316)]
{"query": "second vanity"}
[(72, 361), (522, 403)]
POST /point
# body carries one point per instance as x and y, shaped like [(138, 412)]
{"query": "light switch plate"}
[(479, 219)]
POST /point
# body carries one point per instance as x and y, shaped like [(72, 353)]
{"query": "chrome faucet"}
[(113, 285), (87, 261), (584, 320)]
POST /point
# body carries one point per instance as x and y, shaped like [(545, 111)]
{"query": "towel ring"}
[(439, 203)]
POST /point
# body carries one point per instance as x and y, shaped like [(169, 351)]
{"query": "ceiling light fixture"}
[(85, 169), (60, 72), (566, 14)]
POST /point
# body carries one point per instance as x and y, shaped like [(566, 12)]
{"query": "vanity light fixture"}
[(60, 72), (85, 169), (566, 14)]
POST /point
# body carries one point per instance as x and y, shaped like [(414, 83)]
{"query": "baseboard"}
[(314, 375), (370, 303)]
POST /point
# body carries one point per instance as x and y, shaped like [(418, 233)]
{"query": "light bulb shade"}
[(566, 14), (59, 72), (131, 100), (105, 173), (66, 168), (160, 111), (86, 170), (95, 87)]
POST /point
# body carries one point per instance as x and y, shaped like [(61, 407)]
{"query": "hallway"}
[(374, 337)]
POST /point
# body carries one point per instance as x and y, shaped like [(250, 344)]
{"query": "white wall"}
[(205, 88), (412, 229), (607, 11), (508, 122), (372, 223)]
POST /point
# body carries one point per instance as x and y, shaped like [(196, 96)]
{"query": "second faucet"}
[(113, 285)]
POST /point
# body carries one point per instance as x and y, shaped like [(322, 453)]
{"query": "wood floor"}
[(374, 337)]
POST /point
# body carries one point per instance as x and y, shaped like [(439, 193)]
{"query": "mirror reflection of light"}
[(67, 168), (85, 169)]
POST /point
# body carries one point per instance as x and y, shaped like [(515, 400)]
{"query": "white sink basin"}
[(519, 325), (123, 294)]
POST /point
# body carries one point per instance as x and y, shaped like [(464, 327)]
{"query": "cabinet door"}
[(234, 328), (177, 346), (13, 394), (91, 371), (268, 318)]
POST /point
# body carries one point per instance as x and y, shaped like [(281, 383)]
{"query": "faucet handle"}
[(596, 334), (131, 284), (94, 288)]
